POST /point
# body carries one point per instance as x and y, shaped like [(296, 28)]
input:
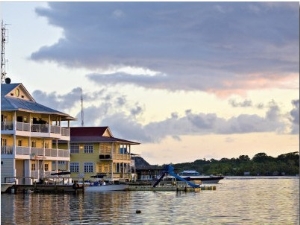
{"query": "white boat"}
[(193, 175), (106, 187), (5, 186)]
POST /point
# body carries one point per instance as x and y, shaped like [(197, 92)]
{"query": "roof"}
[(9, 103), (89, 131), (95, 135)]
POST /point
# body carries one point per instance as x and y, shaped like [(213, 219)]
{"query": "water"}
[(236, 201)]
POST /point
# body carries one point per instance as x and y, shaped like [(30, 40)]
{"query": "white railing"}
[(40, 174), (20, 150), (7, 125), (55, 129), (7, 150), (23, 126), (118, 176), (65, 131), (40, 128)]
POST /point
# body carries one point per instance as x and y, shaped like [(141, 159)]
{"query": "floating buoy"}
[(138, 211)]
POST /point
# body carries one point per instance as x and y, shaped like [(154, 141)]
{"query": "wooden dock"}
[(57, 185)]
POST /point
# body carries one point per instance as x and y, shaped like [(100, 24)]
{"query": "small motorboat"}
[(193, 175), (102, 186), (5, 186)]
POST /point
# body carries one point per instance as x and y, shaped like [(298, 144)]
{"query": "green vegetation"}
[(261, 164)]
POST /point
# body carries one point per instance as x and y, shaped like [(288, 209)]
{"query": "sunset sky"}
[(188, 80)]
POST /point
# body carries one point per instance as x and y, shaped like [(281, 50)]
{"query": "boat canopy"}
[(189, 173)]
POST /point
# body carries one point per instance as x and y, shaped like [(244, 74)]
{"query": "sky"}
[(187, 80)]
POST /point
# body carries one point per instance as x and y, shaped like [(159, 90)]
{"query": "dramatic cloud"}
[(210, 46)]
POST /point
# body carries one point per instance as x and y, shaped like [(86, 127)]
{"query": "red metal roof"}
[(95, 134), (87, 131)]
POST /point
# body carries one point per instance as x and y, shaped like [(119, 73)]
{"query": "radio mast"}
[(82, 115), (3, 40)]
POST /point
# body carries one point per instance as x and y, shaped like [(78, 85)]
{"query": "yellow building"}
[(96, 154), (29, 137)]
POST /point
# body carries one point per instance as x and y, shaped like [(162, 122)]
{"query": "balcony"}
[(116, 176), (27, 129), (114, 157), (34, 153)]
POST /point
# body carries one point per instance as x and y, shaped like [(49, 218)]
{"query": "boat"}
[(5, 186), (193, 175), (102, 186)]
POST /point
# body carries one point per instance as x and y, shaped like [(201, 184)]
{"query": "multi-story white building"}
[(29, 137)]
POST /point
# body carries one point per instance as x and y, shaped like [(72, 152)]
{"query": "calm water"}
[(236, 201)]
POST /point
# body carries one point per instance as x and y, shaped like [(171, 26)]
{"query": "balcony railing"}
[(34, 152), (40, 174), (117, 176), (114, 157), (41, 128)]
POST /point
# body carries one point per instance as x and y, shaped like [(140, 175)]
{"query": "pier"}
[(57, 185)]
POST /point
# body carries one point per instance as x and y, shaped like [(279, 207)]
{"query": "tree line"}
[(260, 165)]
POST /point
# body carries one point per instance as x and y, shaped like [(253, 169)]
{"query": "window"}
[(3, 142), (88, 167), (88, 149), (19, 142), (74, 167), (33, 144), (47, 167), (61, 162), (74, 148), (123, 150), (33, 166)]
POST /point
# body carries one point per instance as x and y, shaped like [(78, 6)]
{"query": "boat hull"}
[(204, 179), (110, 187), (5, 186)]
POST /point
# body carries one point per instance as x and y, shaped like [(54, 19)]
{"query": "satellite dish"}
[(7, 80)]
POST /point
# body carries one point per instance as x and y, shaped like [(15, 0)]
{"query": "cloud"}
[(61, 102), (295, 117), (124, 118), (222, 48), (245, 103)]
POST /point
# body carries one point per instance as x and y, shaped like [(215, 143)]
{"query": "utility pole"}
[(3, 40), (82, 115)]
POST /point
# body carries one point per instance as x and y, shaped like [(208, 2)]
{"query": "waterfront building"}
[(30, 133), (144, 171), (96, 154)]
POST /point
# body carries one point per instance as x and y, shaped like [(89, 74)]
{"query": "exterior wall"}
[(7, 169), (26, 142), (19, 93), (82, 158), (20, 168), (111, 161)]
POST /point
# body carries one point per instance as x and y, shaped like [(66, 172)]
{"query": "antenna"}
[(82, 115), (3, 40)]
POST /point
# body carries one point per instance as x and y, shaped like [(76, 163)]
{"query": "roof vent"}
[(7, 80)]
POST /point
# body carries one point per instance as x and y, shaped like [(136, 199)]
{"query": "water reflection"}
[(236, 201)]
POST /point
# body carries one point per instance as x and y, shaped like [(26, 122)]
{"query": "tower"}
[(82, 115), (3, 41)]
